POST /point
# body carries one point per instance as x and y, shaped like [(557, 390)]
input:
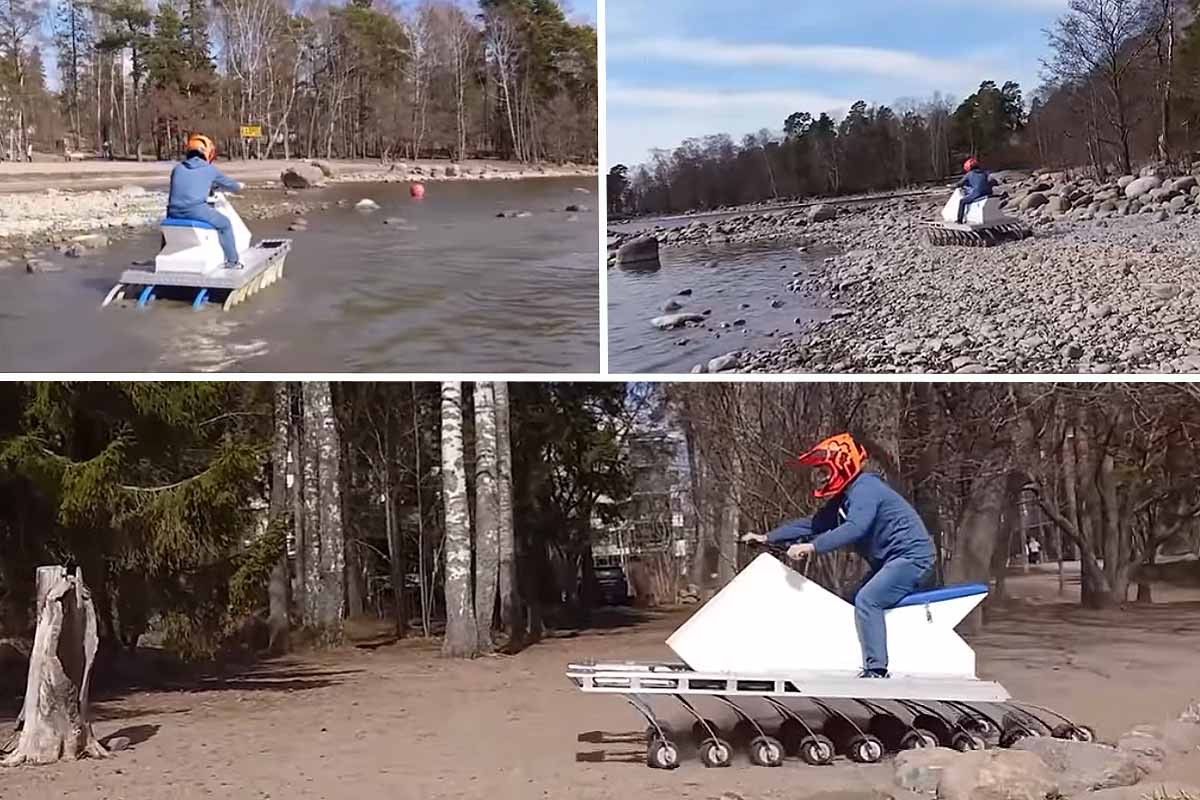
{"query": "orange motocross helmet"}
[(841, 456), (203, 145)]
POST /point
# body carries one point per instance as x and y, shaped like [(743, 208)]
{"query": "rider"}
[(191, 182), (864, 512), (976, 183)]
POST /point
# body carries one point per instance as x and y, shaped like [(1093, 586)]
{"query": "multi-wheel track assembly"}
[(818, 718), (774, 645), (949, 234)]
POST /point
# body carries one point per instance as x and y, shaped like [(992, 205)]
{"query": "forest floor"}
[(400, 722)]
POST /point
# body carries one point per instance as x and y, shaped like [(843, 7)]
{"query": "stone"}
[(921, 770), (997, 775), (908, 348), (1179, 203), (1184, 184), (1059, 205), (1149, 752), (1162, 215), (117, 743), (1099, 310), (1034, 200), (776, 304), (1083, 766), (452, 170), (668, 306), (1142, 186), (1168, 790), (1072, 351), (91, 240), (643, 250), (1125, 180), (684, 293), (728, 361), (668, 321), (395, 221), (577, 208), (841, 313), (33, 265), (302, 176), (1165, 291), (822, 213), (366, 204)]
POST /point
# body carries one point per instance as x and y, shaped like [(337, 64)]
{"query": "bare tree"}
[(503, 47), (507, 587), (487, 513), (422, 57), (462, 638), (277, 590), (324, 582)]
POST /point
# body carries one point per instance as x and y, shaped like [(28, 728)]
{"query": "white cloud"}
[(697, 100), (883, 62)]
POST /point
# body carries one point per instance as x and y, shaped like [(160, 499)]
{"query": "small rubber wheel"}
[(791, 734), (701, 734), (716, 753), (766, 751), (662, 754), (917, 739), (816, 750), (1013, 735), (1074, 733), (965, 742), (865, 749)]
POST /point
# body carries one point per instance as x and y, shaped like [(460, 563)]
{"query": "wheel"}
[(917, 739), (766, 752), (662, 754), (701, 733), (980, 726), (816, 750), (865, 749), (716, 753), (1075, 733), (791, 733), (964, 742)]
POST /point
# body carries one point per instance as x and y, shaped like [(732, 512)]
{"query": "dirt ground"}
[(398, 722), (20, 176)]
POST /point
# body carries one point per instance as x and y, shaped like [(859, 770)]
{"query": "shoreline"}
[(1104, 285), (75, 214)]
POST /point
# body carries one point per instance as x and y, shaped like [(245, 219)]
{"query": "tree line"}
[(516, 79), (1119, 86)]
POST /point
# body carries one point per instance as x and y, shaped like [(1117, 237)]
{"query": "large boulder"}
[(1125, 180), (1084, 766), (1058, 205), (1143, 186), (1034, 200), (822, 213), (302, 176), (326, 170), (641, 252), (920, 770), (997, 775), (1184, 184)]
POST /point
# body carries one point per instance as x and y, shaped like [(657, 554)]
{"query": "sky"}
[(684, 68)]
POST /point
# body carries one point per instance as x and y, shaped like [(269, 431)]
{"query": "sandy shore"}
[(53, 203)]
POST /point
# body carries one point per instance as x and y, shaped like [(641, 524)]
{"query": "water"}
[(455, 289), (721, 278)]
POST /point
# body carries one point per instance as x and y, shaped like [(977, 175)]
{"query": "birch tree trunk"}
[(487, 514), (310, 470), (332, 606), (277, 587), (509, 598), (54, 722), (299, 531), (462, 639)]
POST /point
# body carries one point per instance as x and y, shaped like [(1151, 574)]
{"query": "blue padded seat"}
[(176, 222), (945, 593)]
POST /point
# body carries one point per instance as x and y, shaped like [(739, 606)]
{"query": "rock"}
[(668, 321), (1142, 186), (1125, 180), (91, 240), (841, 313), (366, 204), (302, 176), (326, 170), (1179, 203), (1148, 752), (1162, 215), (668, 306), (452, 171), (1099, 310), (698, 369), (822, 213), (576, 208), (643, 250), (921, 770), (33, 265), (1167, 791), (395, 221), (777, 304), (117, 743), (1165, 291), (74, 251), (1184, 184), (1034, 200), (971, 369), (728, 361), (1059, 205), (1072, 351), (1191, 713), (908, 348), (684, 293), (996, 775), (1083, 766)]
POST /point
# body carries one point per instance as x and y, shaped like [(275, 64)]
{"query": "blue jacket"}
[(871, 516), (192, 181), (977, 182)]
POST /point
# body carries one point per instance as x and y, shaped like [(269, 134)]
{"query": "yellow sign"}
[(252, 131)]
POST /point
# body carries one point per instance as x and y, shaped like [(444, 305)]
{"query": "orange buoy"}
[(417, 190)]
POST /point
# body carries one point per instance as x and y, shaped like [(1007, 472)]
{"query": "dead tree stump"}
[(53, 723)]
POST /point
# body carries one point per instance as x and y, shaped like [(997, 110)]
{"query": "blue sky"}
[(682, 68)]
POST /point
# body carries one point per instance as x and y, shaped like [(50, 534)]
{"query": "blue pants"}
[(206, 213), (968, 198), (882, 589)]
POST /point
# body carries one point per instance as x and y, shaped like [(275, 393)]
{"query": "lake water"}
[(453, 289), (722, 279)]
